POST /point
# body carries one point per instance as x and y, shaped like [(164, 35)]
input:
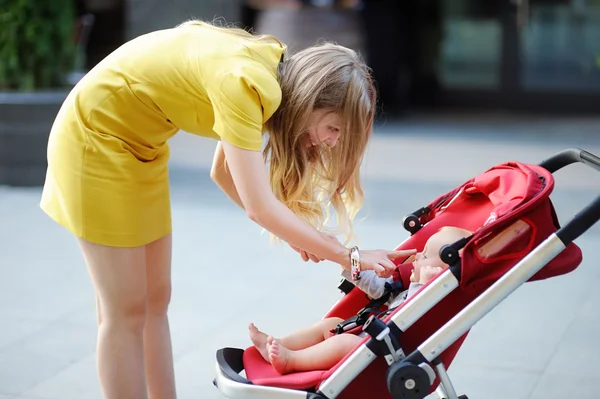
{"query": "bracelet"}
[(355, 263)]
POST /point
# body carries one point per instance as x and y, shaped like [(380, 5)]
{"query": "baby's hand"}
[(427, 273), (415, 276)]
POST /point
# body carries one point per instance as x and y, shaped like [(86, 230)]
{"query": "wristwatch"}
[(355, 263)]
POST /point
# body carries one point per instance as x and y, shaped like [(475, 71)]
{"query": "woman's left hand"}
[(306, 256)]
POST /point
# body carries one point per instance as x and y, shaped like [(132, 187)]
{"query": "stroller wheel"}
[(407, 381)]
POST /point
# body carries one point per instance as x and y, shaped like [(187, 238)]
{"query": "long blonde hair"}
[(311, 180)]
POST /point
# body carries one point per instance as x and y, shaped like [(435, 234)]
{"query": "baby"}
[(314, 348)]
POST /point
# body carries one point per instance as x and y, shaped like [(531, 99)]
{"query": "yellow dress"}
[(107, 178)]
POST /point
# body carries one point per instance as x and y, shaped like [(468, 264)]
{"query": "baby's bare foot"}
[(259, 339), (279, 356)]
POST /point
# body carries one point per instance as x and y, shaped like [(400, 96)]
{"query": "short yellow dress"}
[(107, 178)]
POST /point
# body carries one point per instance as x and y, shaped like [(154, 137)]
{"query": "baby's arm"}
[(369, 282), (426, 274)]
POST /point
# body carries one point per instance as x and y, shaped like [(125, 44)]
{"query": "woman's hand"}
[(306, 256), (380, 260)]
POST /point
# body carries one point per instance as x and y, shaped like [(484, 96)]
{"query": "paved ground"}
[(539, 343)]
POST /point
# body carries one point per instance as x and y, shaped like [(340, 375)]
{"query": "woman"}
[(107, 179)]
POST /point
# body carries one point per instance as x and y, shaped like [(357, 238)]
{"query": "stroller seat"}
[(262, 373), (516, 238)]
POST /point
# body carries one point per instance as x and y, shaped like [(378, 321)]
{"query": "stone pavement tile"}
[(478, 382), (21, 370), (46, 297), (455, 145), (455, 160), (62, 340), (14, 329), (577, 353), (195, 372), (21, 397), (515, 335), (561, 386), (39, 355), (85, 313), (74, 382), (42, 271)]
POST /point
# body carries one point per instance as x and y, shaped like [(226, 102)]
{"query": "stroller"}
[(406, 353)]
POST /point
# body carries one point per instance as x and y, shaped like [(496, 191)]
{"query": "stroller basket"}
[(517, 238)]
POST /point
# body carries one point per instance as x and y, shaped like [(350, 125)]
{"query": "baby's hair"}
[(457, 234), (457, 230)]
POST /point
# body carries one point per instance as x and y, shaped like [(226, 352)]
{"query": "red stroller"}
[(517, 238)]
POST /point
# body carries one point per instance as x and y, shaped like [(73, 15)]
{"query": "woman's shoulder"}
[(243, 78)]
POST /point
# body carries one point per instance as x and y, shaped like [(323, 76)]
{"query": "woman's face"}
[(324, 128)]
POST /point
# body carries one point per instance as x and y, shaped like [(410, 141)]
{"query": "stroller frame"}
[(411, 376)]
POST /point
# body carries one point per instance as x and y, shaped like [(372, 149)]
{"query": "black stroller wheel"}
[(407, 381)]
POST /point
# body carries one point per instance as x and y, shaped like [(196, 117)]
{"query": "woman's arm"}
[(222, 177), (248, 174)]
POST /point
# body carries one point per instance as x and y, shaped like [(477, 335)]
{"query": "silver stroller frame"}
[(411, 376)]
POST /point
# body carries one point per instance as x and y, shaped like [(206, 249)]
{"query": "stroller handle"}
[(586, 218)]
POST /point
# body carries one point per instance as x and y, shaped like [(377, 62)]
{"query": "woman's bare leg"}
[(119, 279), (157, 337), (299, 339), (321, 356)]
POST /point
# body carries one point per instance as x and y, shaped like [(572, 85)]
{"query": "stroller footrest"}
[(230, 361)]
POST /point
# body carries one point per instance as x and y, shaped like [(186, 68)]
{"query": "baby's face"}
[(431, 253)]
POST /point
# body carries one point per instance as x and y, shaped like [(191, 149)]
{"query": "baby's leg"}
[(321, 356), (310, 336), (300, 339)]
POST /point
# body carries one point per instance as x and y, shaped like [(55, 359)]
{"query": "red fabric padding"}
[(259, 372), (513, 191)]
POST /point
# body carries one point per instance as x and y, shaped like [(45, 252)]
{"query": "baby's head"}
[(431, 253), (430, 256)]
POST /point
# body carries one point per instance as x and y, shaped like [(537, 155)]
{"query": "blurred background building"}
[(522, 55)]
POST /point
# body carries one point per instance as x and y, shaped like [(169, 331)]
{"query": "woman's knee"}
[(159, 299), (118, 276), (130, 314), (158, 275)]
